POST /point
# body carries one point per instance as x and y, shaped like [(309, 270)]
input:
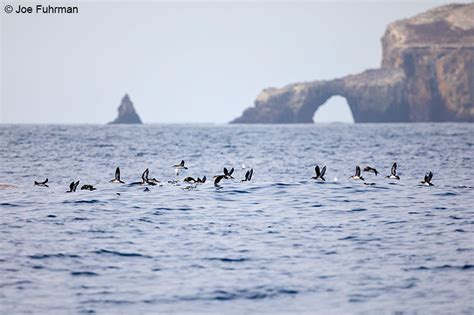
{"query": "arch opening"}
[(335, 109)]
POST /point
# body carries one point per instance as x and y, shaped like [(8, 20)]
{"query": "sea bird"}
[(88, 187), (42, 184), (357, 174), (248, 176), (190, 179), (117, 177), (201, 180), (179, 166), (144, 178), (393, 172), (73, 186), (319, 173), (427, 180), (228, 174), (217, 180), (371, 169)]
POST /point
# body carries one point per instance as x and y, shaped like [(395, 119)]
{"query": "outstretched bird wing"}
[(393, 171), (323, 171), (428, 177), (357, 170), (145, 175), (247, 174), (71, 186), (317, 171), (218, 179), (117, 173), (251, 174)]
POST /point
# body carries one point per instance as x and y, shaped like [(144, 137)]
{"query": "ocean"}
[(281, 243)]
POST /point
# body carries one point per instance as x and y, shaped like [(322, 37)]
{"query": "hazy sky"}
[(185, 61)]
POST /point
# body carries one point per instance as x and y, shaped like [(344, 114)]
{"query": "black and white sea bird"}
[(357, 174), (393, 172), (427, 180), (42, 184), (117, 177), (144, 178), (217, 179), (228, 174), (248, 175), (73, 186), (371, 170), (319, 173), (179, 166), (88, 187), (190, 179)]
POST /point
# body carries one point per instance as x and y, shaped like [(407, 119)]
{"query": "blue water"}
[(280, 243)]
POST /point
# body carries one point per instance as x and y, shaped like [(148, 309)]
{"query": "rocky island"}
[(427, 75), (126, 113)]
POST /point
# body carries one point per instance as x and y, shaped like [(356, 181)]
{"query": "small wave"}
[(84, 273), (447, 194), (250, 294), (112, 252), (6, 204), (3, 285), (358, 209), (226, 259), (443, 267), (92, 201), (60, 255)]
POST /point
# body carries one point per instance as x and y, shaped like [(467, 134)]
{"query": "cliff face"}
[(126, 113), (427, 74)]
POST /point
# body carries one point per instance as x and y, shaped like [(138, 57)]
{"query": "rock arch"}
[(335, 109)]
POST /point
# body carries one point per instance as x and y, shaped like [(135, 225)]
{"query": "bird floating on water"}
[(88, 187)]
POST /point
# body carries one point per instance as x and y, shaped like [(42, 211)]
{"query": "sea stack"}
[(126, 113), (426, 75)]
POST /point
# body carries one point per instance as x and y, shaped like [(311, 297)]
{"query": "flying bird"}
[(217, 180), (319, 173), (117, 177), (248, 175), (73, 186), (393, 172), (371, 170), (42, 184), (357, 174), (427, 180), (228, 174)]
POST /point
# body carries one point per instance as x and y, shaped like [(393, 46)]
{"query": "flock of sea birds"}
[(227, 174)]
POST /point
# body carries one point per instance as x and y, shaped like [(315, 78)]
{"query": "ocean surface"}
[(282, 243)]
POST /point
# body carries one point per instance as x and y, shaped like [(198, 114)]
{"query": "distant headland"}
[(126, 113), (427, 75)]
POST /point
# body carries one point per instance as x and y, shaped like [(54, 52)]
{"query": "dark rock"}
[(126, 113), (427, 74)]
